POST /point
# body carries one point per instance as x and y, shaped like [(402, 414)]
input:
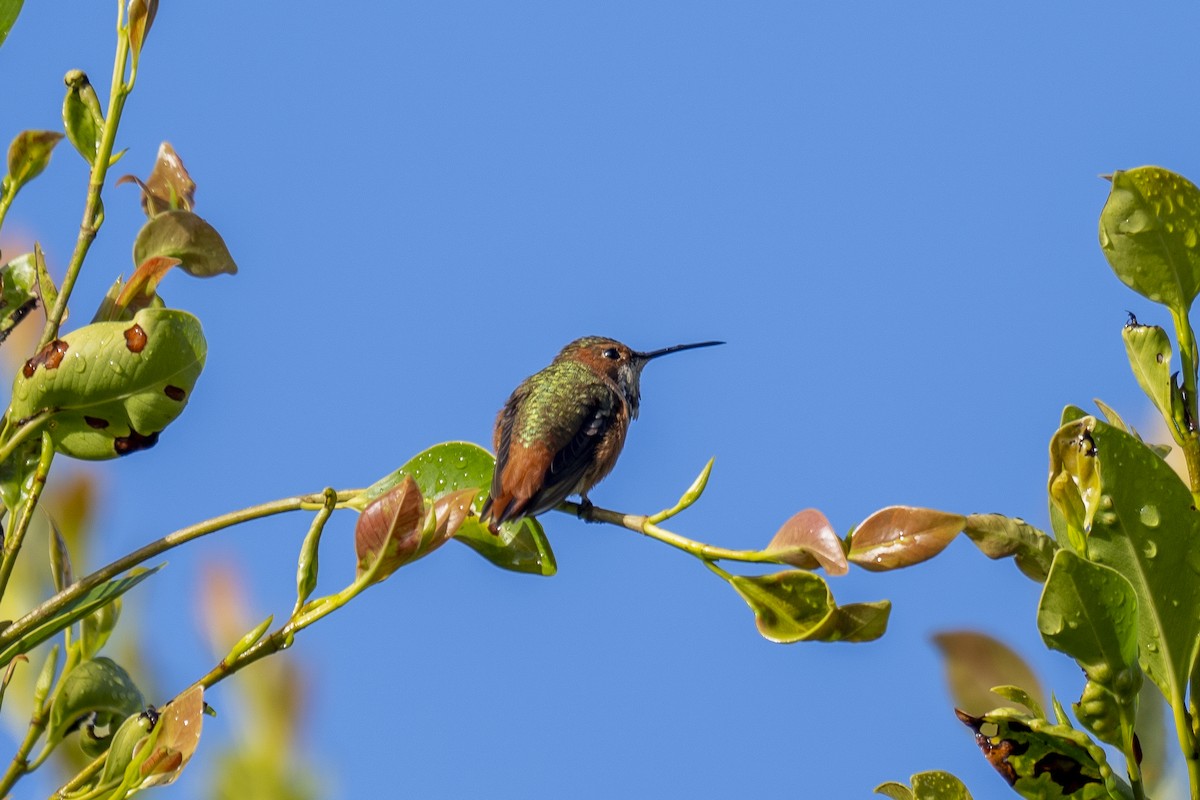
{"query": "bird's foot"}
[(585, 509)]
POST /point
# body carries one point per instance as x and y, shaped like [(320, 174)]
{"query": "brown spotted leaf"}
[(389, 531), (807, 540), (169, 186), (900, 536), (179, 723), (111, 387), (183, 235)]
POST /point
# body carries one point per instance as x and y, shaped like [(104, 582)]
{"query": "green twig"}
[(119, 90), (69, 595), (1189, 360), (16, 534)]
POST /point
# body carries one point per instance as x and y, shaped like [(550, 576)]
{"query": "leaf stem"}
[(642, 524)]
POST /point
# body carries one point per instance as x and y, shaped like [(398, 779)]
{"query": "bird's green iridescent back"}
[(558, 401)]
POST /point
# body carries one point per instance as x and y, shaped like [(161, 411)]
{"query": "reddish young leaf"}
[(900, 536), (139, 292), (180, 721), (449, 512), (389, 530), (169, 185), (807, 540)]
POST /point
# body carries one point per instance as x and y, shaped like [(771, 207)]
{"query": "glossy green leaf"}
[(1020, 698), (89, 602), (1043, 760), (1089, 612), (894, 790), (183, 235), (113, 386), (1144, 527), (901, 536), (975, 663), (99, 687), (9, 10), (796, 605), (938, 785), (1149, 351), (1149, 231), (18, 292), (82, 116), (135, 729), (1074, 484), (998, 536), (28, 156), (520, 545)]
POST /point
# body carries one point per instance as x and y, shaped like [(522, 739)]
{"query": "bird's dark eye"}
[(611, 353)]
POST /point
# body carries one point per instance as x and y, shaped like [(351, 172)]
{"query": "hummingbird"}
[(562, 429)]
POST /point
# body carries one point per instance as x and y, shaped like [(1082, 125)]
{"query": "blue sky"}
[(889, 213)]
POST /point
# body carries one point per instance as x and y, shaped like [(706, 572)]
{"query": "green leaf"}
[(96, 627), (112, 387), (28, 156), (1144, 527), (18, 292), (132, 731), (1149, 351), (183, 235), (9, 9), (520, 545), (998, 536), (975, 663), (1149, 231), (900, 536), (1089, 612), (82, 117), (894, 790), (90, 601), (938, 785), (99, 687), (796, 605), (934, 785)]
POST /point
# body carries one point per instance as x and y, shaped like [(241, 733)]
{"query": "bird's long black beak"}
[(677, 348)]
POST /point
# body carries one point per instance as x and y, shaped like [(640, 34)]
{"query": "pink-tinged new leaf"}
[(900, 536), (807, 540), (389, 530)]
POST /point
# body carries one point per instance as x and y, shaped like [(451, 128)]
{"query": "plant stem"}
[(1187, 742), (16, 534), (1189, 361), (19, 766), (85, 584), (92, 216), (642, 524)]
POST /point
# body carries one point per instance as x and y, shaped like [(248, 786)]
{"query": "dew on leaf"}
[(1148, 514), (1150, 549)]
